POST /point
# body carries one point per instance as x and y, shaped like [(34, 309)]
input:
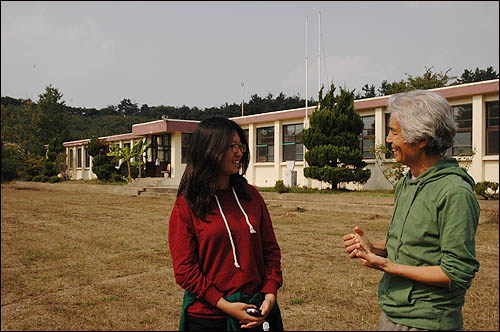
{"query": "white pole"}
[(319, 69), (242, 84), (307, 19), (319, 53), (307, 180)]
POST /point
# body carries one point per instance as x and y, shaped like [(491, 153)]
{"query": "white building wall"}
[(482, 168)]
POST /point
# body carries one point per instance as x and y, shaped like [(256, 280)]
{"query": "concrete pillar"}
[(175, 154), (379, 126), (250, 175), (277, 149), (478, 137)]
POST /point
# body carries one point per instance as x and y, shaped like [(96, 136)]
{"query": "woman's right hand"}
[(237, 310), (356, 242)]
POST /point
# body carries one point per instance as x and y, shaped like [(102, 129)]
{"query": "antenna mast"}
[(319, 54), (307, 20), (242, 84)]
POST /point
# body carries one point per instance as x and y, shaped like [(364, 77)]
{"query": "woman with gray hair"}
[(429, 255)]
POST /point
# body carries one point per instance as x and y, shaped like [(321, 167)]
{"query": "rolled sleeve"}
[(458, 219)]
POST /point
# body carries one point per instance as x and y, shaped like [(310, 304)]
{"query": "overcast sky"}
[(198, 53)]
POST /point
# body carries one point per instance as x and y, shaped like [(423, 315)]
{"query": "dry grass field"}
[(100, 261)]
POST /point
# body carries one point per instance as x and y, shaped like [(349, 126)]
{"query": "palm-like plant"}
[(140, 147), (128, 154), (123, 153)]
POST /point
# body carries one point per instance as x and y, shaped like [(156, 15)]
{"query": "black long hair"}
[(209, 142)]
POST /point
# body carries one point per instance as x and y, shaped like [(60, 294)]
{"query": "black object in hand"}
[(254, 312)]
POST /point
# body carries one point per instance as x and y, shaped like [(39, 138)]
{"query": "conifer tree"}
[(334, 154)]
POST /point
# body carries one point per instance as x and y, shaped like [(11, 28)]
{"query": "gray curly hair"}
[(424, 116)]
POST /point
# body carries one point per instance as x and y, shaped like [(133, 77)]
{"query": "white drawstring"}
[(252, 230)]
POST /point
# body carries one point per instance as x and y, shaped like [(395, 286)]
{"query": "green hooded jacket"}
[(434, 222)]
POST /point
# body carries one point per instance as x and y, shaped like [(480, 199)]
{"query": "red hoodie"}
[(202, 254)]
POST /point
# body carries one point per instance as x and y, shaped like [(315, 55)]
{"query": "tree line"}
[(428, 80)]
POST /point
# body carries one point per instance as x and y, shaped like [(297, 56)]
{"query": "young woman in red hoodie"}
[(224, 250)]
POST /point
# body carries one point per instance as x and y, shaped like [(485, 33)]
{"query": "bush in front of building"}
[(487, 189), (41, 178), (103, 166), (116, 177), (134, 170), (280, 187), (54, 162), (54, 179)]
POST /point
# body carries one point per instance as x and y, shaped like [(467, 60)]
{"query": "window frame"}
[(454, 150), (297, 141), (269, 156), (78, 157), (71, 158), (364, 137), (387, 118), (185, 146), (87, 158), (490, 128)]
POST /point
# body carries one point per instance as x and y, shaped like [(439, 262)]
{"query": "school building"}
[(275, 143)]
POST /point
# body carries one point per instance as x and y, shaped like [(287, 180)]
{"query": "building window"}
[(186, 145), (492, 127), (160, 147), (71, 158), (245, 132), (463, 137), (87, 158), (293, 149), (79, 157), (367, 138), (265, 144), (388, 155)]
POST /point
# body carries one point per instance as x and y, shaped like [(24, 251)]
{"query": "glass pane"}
[(463, 139), (270, 153), (369, 125), (463, 112), (262, 153), (464, 124), (289, 152), (265, 135), (298, 133), (492, 122), (492, 142), (492, 109), (387, 118), (367, 148), (299, 152)]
